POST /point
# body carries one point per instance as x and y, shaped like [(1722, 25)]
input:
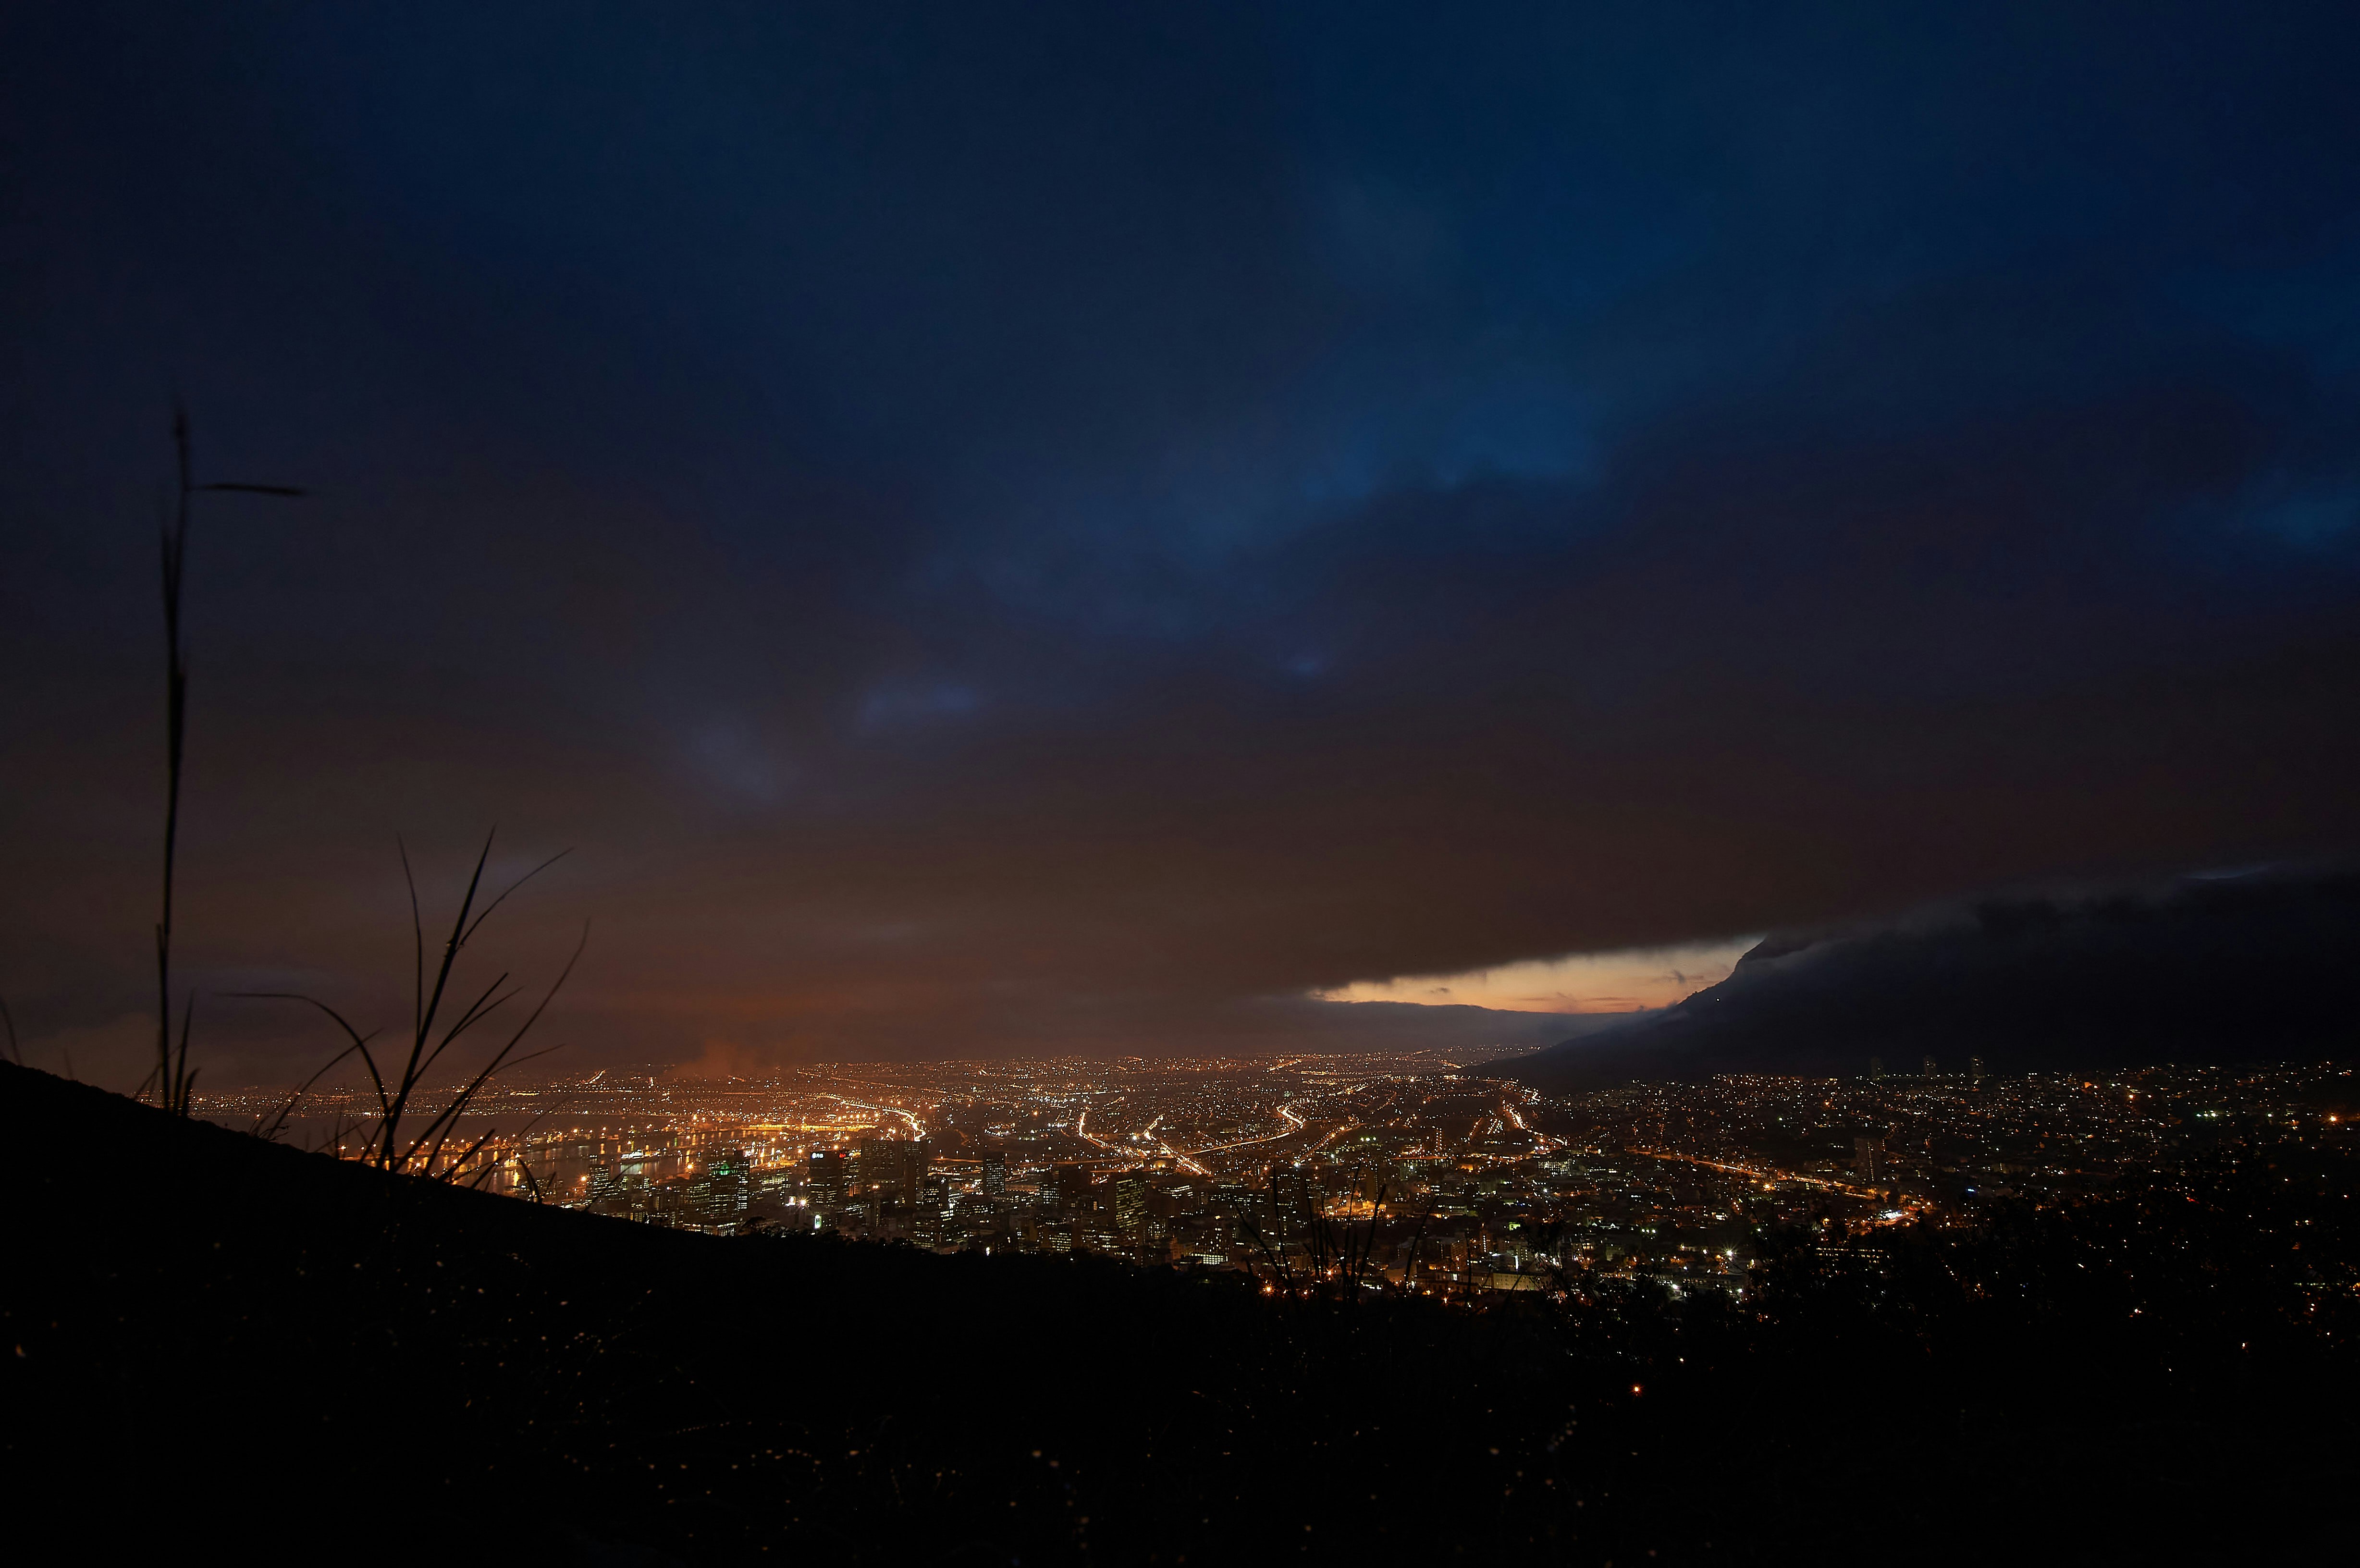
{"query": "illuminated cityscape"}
[(1411, 1172)]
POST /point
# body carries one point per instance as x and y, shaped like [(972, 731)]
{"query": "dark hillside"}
[(228, 1338), (223, 1346)]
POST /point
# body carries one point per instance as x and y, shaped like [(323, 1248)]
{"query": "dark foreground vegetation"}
[(217, 1344)]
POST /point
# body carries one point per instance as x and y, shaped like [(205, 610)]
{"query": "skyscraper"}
[(1130, 1206), (828, 1178), (1073, 1185), (929, 1223), (718, 1199), (891, 1168)]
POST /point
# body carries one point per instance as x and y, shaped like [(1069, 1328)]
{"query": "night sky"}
[(1019, 529)]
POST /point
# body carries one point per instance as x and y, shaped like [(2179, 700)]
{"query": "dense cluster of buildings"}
[(1405, 1172)]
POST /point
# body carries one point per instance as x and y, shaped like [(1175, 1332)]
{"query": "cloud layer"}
[(1045, 530), (1588, 983), (2238, 969)]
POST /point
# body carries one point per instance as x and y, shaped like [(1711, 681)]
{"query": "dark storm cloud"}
[(2220, 969), (997, 530)]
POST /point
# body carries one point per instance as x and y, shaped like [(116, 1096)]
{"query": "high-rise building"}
[(1073, 1187), (829, 1179), (929, 1223), (1930, 1071), (1864, 1153), (1130, 1205), (995, 1177), (889, 1170), (717, 1199)]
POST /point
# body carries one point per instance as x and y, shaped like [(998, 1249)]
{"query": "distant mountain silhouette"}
[(2209, 970)]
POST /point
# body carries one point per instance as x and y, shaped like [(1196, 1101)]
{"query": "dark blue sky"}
[(1026, 528)]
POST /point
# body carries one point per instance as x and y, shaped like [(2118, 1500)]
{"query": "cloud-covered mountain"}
[(2210, 970)]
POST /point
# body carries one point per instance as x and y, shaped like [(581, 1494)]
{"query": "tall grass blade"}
[(171, 1079)]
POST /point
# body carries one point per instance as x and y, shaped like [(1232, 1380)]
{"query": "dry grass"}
[(171, 1079), (404, 1134)]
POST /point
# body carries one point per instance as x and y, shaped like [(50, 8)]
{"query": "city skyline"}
[(1415, 1174)]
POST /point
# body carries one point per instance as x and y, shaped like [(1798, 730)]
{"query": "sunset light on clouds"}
[(1621, 982)]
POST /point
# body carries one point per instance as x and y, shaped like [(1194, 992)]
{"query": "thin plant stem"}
[(176, 709), (398, 1091), (173, 1080)]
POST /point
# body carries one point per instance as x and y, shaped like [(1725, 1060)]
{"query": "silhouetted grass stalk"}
[(1335, 1255), (399, 1091), (171, 1077)]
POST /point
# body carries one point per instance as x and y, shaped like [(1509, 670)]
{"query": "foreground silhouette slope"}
[(220, 1334), (218, 1342)]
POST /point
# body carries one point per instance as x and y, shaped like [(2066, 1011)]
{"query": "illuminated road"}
[(915, 1130), (1542, 1142), (1772, 1175), (1294, 1126), (1130, 1156), (1186, 1161)]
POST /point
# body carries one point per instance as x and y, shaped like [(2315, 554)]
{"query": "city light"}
[(1380, 1172)]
